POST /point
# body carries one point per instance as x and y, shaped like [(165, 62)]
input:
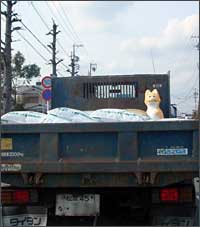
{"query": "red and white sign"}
[(46, 82)]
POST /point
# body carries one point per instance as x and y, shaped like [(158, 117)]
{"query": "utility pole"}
[(93, 67), (11, 18), (52, 46), (195, 100), (74, 59)]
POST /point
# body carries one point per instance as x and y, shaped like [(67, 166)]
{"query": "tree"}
[(30, 71), (26, 72), (2, 69), (21, 71), (11, 17), (17, 64)]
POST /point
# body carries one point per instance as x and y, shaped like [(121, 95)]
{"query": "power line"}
[(72, 28), (3, 3), (63, 19), (62, 48), (32, 47), (36, 37), (59, 20), (40, 16), (48, 27), (46, 60), (186, 82), (188, 96), (40, 41)]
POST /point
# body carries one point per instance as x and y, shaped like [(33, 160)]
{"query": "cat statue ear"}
[(147, 92), (155, 91)]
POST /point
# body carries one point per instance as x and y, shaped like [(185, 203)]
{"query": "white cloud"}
[(173, 36), (172, 49)]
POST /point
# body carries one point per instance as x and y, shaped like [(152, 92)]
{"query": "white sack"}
[(71, 115), (117, 115), (54, 119), (23, 117)]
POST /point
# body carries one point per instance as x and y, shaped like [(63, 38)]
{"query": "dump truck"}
[(101, 173)]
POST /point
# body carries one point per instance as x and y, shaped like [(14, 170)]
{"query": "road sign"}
[(46, 82), (46, 94)]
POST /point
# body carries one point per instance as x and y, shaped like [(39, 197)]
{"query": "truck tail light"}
[(169, 195), (19, 196)]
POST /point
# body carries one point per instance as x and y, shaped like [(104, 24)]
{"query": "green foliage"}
[(20, 70), (18, 62), (30, 71)]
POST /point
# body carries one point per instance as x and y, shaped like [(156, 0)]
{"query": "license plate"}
[(77, 205), (24, 216)]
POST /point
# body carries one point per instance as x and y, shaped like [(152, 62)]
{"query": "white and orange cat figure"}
[(152, 101)]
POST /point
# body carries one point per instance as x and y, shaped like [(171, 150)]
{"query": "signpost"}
[(46, 93), (46, 82)]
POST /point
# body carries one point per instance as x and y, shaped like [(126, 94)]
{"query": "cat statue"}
[(152, 101)]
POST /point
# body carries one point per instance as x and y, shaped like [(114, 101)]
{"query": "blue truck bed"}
[(100, 154)]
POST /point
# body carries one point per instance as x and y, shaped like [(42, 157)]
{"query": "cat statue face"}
[(152, 101)]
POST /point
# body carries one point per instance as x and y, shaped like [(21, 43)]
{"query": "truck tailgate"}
[(123, 147)]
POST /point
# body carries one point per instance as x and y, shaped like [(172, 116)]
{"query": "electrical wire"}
[(48, 28), (189, 79), (68, 35), (35, 37), (39, 41), (40, 16), (32, 47), (36, 51), (63, 19), (63, 27), (3, 3), (188, 96), (72, 28)]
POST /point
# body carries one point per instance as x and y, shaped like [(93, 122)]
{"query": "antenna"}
[(152, 61)]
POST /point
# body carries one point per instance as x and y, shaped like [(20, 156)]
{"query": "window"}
[(113, 90), (31, 99)]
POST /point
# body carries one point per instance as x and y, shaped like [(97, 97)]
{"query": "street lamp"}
[(93, 67)]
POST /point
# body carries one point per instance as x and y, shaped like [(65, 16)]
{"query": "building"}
[(30, 97)]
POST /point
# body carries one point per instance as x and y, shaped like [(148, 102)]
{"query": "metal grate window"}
[(114, 90)]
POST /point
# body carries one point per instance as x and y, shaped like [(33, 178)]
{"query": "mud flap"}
[(24, 216)]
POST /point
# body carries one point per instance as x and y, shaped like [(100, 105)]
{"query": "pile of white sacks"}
[(68, 115)]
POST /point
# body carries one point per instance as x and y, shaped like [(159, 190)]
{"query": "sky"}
[(121, 37)]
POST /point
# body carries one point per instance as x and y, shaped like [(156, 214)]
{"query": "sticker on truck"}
[(11, 167), (6, 144), (172, 151), (24, 216)]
